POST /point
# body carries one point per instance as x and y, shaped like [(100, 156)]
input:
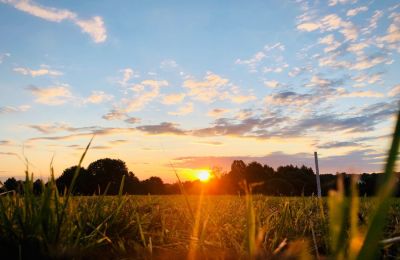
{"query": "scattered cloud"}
[(168, 64), (54, 95), (272, 83), (93, 26), (217, 112), (172, 99), (39, 72), (355, 11), (163, 128), (98, 97), (208, 89), (395, 91), (114, 114), (132, 120), (3, 56), (145, 91), (13, 109), (183, 110)]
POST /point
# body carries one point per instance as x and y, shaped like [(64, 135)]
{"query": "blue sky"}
[(198, 84)]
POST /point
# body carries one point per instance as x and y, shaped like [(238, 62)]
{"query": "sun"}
[(203, 175)]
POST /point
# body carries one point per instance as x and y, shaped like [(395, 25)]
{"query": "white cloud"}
[(3, 56), (329, 40), (335, 2), (360, 94), (395, 91), (373, 22), (98, 97), (363, 63), (127, 75), (12, 109), (208, 89), (308, 27), (217, 112), (146, 91), (331, 22), (39, 72), (355, 11), (168, 64), (94, 26), (392, 36), (114, 114), (272, 83), (183, 110), (173, 98), (54, 95)]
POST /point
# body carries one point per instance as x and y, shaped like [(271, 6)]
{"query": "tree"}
[(153, 185), (83, 183), (107, 172), (11, 184)]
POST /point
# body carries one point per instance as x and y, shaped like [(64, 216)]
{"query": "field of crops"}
[(221, 227)]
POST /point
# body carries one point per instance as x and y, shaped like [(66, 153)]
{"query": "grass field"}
[(163, 227)]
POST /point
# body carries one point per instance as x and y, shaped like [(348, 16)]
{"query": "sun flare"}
[(203, 175)]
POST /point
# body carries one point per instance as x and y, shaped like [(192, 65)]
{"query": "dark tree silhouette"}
[(107, 172), (83, 185)]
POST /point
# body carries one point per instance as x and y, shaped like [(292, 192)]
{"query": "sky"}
[(189, 85)]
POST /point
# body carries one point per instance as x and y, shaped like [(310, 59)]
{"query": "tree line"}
[(104, 176)]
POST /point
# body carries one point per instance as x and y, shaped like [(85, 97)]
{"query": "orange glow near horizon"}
[(204, 175)]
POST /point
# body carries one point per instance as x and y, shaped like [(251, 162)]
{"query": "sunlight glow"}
[(203, 175)]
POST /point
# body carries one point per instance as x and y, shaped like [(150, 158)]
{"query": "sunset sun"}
[(203, 175)]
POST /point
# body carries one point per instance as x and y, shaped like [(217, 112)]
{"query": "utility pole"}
[(317, 174)]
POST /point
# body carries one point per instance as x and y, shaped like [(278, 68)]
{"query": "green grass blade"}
[(376, 225)]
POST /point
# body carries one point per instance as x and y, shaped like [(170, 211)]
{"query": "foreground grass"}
[(162, 227)]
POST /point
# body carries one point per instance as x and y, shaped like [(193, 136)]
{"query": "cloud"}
[(146, 91), (217, 112), (162, 128), (257, 58), (329, 41), (60, 127), (392, 36), (168, 64), (54, 95), (373, 22), (3, 56), (98, 97), (127, 74), (210, 142), (395, 91), (272, 83), (355, 11), (365, 62), (289, 98), (208, 89), (358, 161), (183, 110), (114, 114), (172, 99), (93, 26), (338, 144), (360, 94), (12, 109), (331, 22), (362, 79), (308, 27), (38, 72), (335, 2), (132, 120)]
